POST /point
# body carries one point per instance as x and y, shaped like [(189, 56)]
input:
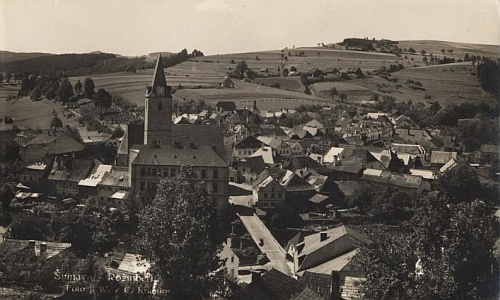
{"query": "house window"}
[(203, 173), (143, 185), (215, 188), (165, 172), (143, 171), (272, 204), (264, 204), (154, 172), (232, 259), (149, 172), (172, 172), (160, 105), (158, 142), (216, 173), (272, 195), (272, 189), (265, 195)]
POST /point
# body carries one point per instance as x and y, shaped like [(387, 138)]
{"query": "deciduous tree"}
[(178, 235)]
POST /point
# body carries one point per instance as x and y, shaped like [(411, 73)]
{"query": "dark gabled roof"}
[(256, 163), (226, 105), (347, 187), (203, 135), (10, 247), (297, 239), (170, 155), (353, 166), (400, 180), (418, 136), (118, 176), (248, 142), (59, 144), (442, 157), (76, 170), (320, 283), (274, 285)]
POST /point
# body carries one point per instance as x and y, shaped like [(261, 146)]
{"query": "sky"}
[(138, 27)]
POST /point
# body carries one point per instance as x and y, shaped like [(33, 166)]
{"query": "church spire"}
[(159, 76)]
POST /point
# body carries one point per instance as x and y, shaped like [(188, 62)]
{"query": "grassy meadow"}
[(200, 79)]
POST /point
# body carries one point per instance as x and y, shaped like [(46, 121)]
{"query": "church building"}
[(162, 148)]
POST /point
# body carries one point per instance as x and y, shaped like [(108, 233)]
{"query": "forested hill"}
[(68, 65), (7, 56), (72, 64)]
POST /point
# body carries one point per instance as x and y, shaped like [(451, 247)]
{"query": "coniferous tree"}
[(88, 88)]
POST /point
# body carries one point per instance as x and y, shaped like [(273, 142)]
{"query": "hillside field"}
[(200, 79)]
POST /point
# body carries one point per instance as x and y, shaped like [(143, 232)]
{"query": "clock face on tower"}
[(160, 91)]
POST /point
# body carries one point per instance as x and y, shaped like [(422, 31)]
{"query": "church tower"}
[(158, 109)]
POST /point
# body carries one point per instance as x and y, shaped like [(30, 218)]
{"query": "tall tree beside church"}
[(88, 88), (178, 234)]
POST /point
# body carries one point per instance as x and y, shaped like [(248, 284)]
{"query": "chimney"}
[(32, 243), (335, 160), (43, 247), (256, 276), (335, 292), (323, 236)]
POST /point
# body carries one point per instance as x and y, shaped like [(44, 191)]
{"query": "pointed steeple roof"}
[(159, 76)]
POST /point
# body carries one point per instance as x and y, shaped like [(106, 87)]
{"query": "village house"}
[(246, 147), (488, 153), (439, 158), (249, 168), (227, 83), (223, 106), (405, 182), (324, 252), (109, 185), (268, 193), (35, 174), (66, 174), (281, 147), (268, 154), (297, 149), (50, 143), (419, 137)]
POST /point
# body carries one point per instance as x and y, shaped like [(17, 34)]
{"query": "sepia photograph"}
[(249, 149)]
